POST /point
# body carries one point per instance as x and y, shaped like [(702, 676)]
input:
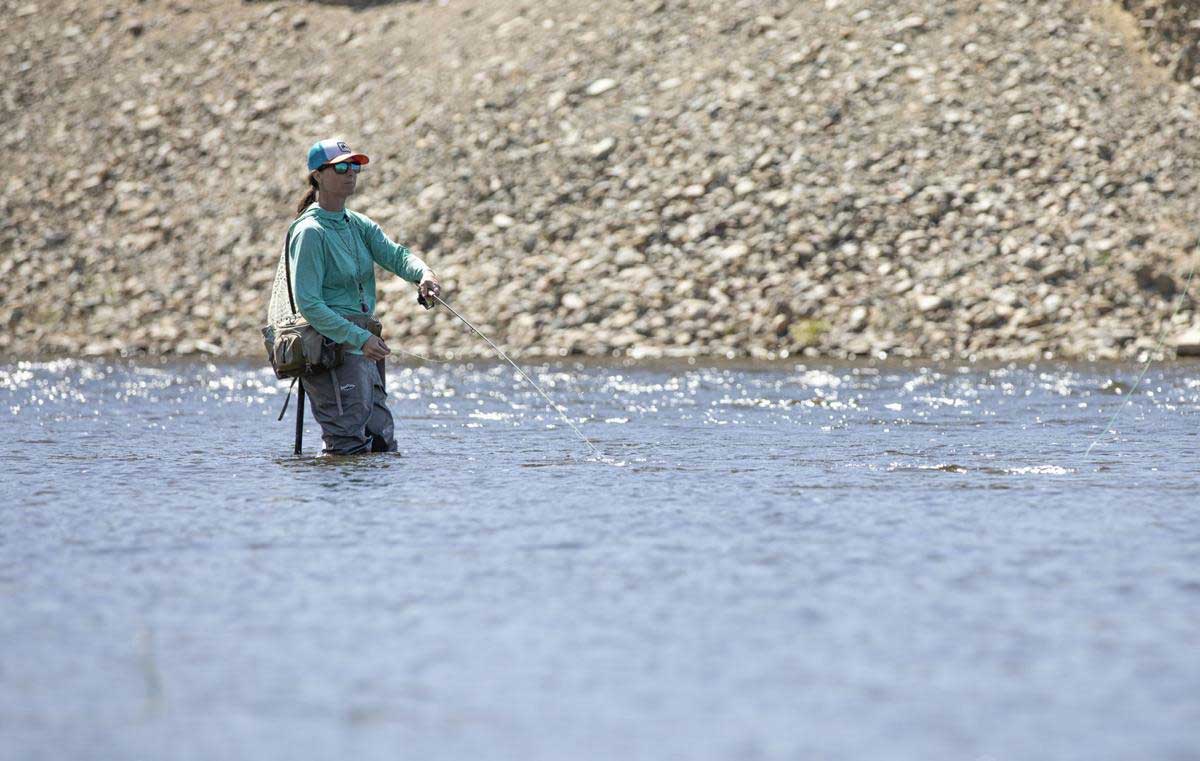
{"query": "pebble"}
[(603, 149), (573, 302), (930, 303), (734, 251), (601, 86)]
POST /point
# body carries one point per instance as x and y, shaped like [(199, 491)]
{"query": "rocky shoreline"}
[(999, 181)]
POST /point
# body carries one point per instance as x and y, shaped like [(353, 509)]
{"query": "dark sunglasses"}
[(345, 166)]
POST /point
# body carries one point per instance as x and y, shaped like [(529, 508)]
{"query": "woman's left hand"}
[(429, 286)]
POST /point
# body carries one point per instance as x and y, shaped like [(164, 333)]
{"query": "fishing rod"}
[(1162, 340), (430, 304)]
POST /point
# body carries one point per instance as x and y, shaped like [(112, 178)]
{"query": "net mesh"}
[(280, 308)]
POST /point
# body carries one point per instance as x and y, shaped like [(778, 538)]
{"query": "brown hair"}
[(310, 196)]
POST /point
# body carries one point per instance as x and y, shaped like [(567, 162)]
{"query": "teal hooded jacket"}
[(333, 274)]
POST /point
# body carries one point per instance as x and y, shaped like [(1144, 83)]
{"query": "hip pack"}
[(296, 350)]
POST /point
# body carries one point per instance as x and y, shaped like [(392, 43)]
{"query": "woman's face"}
[(334, 184)]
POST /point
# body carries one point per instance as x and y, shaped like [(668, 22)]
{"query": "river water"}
[(767, 562)]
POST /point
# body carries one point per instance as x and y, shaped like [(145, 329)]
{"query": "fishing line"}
[(523, 375), (418, 356), (1162, 339)]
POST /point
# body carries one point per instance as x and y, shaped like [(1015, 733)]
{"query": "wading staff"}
[(299, 417)]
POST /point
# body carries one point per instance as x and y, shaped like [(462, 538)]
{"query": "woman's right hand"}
[(375, 348)]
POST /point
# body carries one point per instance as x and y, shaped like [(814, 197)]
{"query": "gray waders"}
[(350, 403)]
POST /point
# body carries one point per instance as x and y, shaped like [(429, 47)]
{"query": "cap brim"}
[(353, 158)]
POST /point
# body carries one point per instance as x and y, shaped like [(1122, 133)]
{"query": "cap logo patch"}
[(343, 147)]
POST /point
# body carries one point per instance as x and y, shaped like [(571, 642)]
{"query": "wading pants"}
[(363, 423)]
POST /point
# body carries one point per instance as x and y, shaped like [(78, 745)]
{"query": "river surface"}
[(765, 562)]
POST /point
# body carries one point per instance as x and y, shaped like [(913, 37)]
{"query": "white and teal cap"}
[(332, 151)]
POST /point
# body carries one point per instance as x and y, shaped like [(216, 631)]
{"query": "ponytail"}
[(309, 197)]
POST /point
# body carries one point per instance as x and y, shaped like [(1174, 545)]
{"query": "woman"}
[(333, 252)]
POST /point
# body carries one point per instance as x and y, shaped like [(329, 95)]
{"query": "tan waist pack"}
[(296, 350)]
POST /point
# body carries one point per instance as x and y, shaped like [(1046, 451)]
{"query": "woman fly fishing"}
[(332, 253)]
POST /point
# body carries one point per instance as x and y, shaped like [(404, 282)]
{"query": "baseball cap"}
[(332, 151)]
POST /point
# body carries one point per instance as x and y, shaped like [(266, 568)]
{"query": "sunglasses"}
[(345, 166)]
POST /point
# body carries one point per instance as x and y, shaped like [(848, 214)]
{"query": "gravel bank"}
[(1005, 180)]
